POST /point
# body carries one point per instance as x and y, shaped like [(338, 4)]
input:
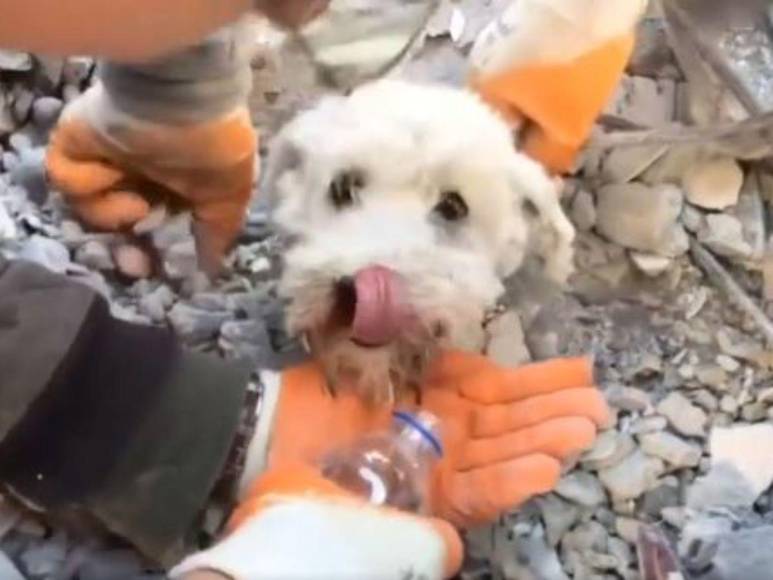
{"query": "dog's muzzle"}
[(374, 305)]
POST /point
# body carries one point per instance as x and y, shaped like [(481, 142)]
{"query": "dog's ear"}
[(551, 234), (282, 182)]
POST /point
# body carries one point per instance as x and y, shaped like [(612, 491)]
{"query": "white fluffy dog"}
[(405, 207)]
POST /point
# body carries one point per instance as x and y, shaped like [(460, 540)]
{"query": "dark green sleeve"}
[(105, 419)]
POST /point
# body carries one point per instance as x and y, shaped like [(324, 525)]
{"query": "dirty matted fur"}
[(426, 181)]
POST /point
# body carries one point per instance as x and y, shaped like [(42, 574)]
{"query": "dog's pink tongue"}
[(382, 309)]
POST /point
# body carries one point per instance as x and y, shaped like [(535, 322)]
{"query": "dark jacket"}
[(105, 419)]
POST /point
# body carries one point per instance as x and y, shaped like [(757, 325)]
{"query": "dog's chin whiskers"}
[(306, 343)]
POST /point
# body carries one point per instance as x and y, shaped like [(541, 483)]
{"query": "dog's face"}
[(406, 206)]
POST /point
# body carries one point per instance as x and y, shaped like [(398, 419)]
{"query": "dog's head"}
[(406, 206)]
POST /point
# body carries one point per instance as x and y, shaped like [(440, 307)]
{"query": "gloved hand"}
[(294, 524), (112, 166), (505, 432), (556, 63), (291, 13)]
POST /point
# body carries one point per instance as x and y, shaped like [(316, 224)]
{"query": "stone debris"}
[(642, 218), (506, 342), (683, 416), (632, 476), (671, 449), (713, 183), (581, 488), (723, 234)]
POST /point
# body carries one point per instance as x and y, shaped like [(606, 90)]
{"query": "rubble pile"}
[(672, 296)]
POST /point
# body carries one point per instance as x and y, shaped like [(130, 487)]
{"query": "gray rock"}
[(250, 340), (22, 103), (581, 488), (77, 69), (8, 570), (174, 230), (713, 376), (94, 254), (156, 220), (155, 304), (506, 344), (559, 516), (644, 101), (651, 265), (627, 398), (627, 163), (45, 558), (9, 159), (30, 174), (724, 485), (692, 218), (46, 111), (8, 230), (180, 260), (754, 412), (713, 183), (670, 448), (706, 400), (521, 552), (728, 364), (46, 252), (7, 122), (648, 424), (20, 141), (642, 218), (723, 234), (11, 60), (194, 324), (631, 477), (750, 210), (583, 211), (628, 528), (111, 565), (719, 546), (682, 415), (610, 448)]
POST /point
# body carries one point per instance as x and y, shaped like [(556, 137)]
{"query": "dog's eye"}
[(345, 187), (451, 206)]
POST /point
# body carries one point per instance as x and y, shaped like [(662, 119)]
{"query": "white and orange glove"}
[(112, 167), (295, 524), (506, 432), (555, 63)]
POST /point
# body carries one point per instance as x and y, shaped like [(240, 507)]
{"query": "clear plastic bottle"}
[(391, 467)]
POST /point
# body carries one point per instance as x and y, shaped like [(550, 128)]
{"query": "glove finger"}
[(216, 228), (453, 544), (502, 386), (480, 495), (494, 420), (559, 438), (113, 210), (78, 178)]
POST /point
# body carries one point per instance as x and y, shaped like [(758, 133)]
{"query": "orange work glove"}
[(505, 432), (173, 131), (294, 510), (556, 63)]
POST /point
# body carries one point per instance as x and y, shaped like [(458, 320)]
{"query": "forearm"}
[(126, 30)]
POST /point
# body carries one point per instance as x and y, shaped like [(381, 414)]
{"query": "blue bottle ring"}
[(426, 433)]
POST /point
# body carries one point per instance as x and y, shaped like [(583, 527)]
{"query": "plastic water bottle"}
[(391, 467)]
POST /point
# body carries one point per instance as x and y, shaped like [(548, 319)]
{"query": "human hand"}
[(506, 432), (295, 524)]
